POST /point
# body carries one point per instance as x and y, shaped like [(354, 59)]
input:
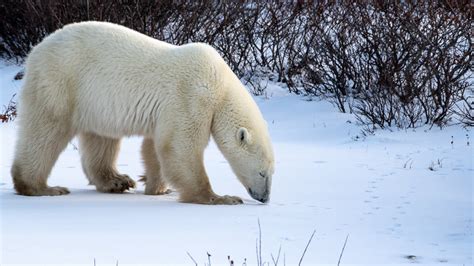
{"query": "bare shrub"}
[(400, 64), (9, 112), (392, 64)]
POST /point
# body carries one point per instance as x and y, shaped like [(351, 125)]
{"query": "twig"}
[(306, 248), (278, 257), (342, 251), (259, 245), (191, 257), (259, 241), (256, 251), (407, 163), (209, 258), (73, 146)]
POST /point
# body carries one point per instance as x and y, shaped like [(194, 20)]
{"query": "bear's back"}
[(91, 42), (109, 69)]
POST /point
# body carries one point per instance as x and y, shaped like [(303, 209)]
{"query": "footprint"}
[(412, 258), (319, 162)]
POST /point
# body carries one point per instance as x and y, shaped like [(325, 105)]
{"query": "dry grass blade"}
[(275, 262), (306, 248), (258, 245), (342, 251), (209, 258), (191, 257)]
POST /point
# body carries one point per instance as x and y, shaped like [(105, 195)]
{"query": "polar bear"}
[(101, 82)]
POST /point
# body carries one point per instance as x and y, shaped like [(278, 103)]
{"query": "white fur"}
[(102, 81)]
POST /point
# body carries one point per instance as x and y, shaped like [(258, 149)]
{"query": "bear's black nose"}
[(262, 198)]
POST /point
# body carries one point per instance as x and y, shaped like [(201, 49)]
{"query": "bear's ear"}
[(243, 135)]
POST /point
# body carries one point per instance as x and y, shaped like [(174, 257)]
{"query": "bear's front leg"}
[(182, 166), (154, 184)]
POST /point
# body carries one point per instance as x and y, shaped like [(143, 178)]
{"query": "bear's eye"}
[(262, 174), (242, 136)]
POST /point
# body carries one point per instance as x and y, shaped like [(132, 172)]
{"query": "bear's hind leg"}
[(154, 184), (98, 156), (38, 147)]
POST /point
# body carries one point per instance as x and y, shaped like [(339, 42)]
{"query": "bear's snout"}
[(263, 197)]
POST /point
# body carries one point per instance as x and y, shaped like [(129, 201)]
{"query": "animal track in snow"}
[(319, 162)]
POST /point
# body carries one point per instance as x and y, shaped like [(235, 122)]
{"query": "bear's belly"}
[(119, 111), (113, 123)]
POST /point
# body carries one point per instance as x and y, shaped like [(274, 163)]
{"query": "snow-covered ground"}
[(402, 197)]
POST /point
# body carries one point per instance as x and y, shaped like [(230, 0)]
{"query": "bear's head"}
[(245, 143), (253, 163)]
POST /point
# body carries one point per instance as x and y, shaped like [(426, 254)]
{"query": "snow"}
[(377, 189)]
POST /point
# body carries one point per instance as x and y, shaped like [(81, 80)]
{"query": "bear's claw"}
[(226, 200), (117, 184), (53, 191), (155, 192)]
